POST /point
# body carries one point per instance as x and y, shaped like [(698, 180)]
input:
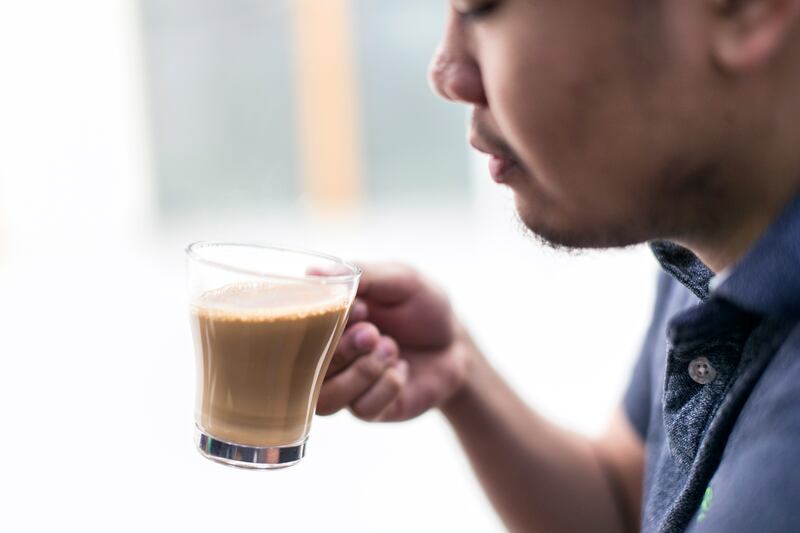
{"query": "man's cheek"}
[(538, 140)]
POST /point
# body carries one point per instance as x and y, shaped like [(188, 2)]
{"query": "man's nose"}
[(454, 75)]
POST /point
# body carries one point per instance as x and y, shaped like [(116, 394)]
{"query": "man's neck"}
[(722, 254), (724, 248)]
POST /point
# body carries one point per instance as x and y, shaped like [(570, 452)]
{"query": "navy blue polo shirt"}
[(715, 394)]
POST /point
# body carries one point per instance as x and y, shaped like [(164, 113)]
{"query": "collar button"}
[(701, 371)]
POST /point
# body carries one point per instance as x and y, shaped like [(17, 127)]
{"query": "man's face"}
[(581, 108)]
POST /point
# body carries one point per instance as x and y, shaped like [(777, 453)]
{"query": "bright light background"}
[(96, 362)]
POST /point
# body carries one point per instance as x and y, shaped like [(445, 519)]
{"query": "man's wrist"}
[(472, 361)]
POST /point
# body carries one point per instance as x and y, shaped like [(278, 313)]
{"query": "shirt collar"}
[(684, 266), (765, 281)]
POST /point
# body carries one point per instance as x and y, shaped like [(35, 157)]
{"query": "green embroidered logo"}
[(706, 504)]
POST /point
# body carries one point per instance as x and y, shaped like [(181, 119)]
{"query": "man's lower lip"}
[(499, 167)]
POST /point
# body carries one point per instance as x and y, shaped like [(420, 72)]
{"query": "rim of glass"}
[(192, 253)]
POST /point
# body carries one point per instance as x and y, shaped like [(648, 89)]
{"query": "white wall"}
[(74, 168)]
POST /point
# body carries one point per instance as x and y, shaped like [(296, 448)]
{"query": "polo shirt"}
[(715, 393)]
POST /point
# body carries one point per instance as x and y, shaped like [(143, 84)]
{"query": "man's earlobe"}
[(748, 34)]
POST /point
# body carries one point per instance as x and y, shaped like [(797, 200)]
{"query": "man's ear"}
[(748, 34)]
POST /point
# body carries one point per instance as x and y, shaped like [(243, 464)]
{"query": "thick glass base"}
[(250, 457)]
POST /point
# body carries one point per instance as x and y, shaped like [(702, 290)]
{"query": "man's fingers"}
[(372, 403), (382, 283), (343, 388), (328, 270), (359, 339), (358, 312), (388, 283)]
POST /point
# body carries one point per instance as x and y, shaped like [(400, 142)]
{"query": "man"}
[(617, 122)]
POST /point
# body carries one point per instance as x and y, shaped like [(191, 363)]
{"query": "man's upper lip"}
[(482, 146)]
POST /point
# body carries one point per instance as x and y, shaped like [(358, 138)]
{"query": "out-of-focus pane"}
[(225, 107), (221, 94), (414, 142)]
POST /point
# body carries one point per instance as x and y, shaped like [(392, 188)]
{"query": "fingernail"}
[(364, 339), (385, 351)]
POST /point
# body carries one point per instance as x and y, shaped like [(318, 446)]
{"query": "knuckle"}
[(411, 273), (406, 268), (394, 381), (396, 270), (367, 369)]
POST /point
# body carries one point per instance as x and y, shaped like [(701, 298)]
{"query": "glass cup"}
[(265, 322)]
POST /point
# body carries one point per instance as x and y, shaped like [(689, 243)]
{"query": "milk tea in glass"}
[(265, 323)]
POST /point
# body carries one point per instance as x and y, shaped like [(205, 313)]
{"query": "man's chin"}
[(572, 238)]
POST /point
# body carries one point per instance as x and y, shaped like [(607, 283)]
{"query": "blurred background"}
[(129, 128)]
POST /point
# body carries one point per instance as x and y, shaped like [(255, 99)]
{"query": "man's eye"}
[(478, 12)]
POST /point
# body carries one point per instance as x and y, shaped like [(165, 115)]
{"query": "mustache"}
[(497, 143)]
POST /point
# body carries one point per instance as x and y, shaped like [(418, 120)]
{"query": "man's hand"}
[(402, 352)]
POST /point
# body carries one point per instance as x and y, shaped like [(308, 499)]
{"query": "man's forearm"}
[(538, 476)]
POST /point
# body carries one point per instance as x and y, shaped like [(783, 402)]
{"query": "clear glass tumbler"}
[(265, 322)]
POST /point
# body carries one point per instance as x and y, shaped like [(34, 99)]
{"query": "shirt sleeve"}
[(638, 399)]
